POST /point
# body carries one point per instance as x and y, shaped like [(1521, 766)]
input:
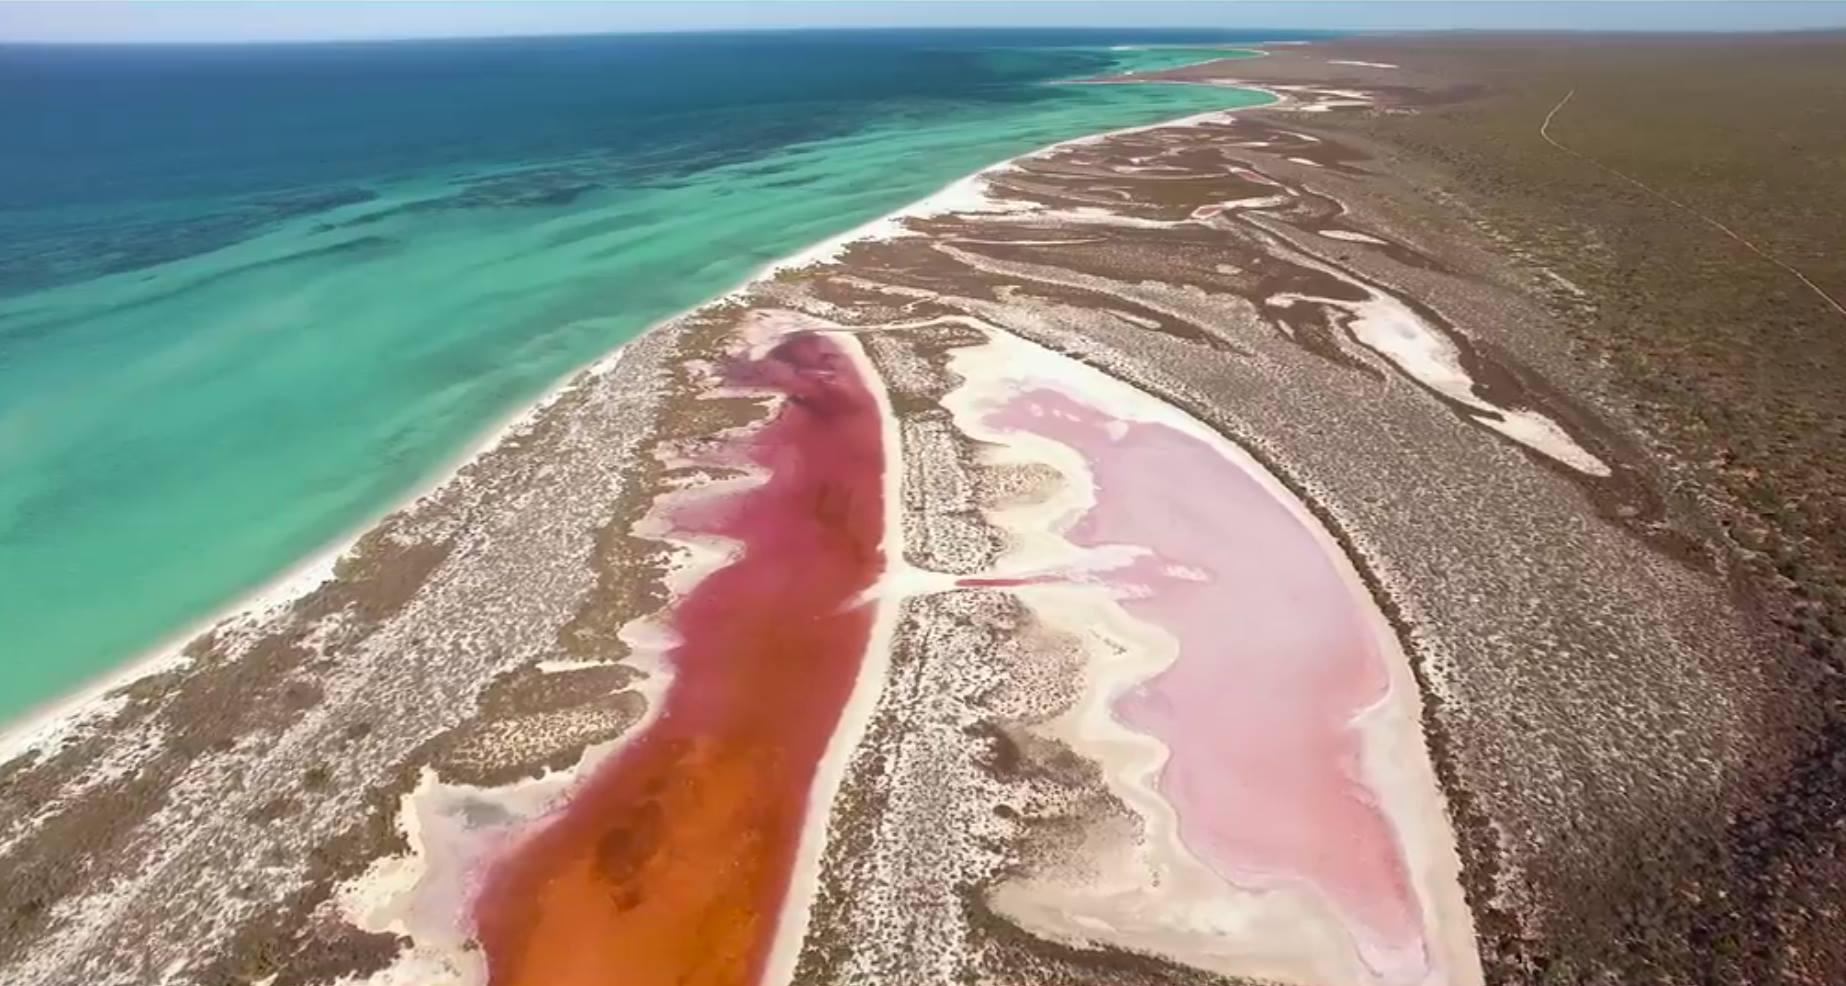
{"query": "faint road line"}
[(1544, 130)]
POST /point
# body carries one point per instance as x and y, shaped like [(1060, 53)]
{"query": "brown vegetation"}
[(1733, 372)]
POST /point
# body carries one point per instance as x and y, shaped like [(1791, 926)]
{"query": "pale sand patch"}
[(1092, 215), (1293, 944), (455, 832), (1346, 61), (412, 968), (1565, 282), (1302, 99), (1254, 202), (1352, 237), (1390, 328), (1073, 241), (1305, 162), (559, 667), (423, 893), (1329, 105)]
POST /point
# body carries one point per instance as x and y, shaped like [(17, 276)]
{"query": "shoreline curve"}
[(48, 721)]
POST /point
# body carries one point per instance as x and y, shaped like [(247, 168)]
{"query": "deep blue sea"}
[(250, 296)]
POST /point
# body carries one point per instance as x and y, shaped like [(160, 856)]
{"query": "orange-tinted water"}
[(671, 863)]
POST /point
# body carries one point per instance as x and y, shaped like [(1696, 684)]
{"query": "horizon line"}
[(1341, 32)]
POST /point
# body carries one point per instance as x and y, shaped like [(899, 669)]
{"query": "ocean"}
[(252, 296)]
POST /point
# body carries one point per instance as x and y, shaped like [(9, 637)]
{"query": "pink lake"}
[(1277, 657)]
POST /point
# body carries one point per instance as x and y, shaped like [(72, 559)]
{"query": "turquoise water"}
[(217, 357)]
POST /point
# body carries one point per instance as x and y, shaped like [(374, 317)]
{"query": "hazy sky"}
[(149, 20)]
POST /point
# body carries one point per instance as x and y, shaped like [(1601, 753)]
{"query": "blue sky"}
[(149, 21)]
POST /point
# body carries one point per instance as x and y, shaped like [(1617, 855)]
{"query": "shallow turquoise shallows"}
[(250, 297)]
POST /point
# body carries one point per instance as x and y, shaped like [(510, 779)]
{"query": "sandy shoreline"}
[(37, 727)]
